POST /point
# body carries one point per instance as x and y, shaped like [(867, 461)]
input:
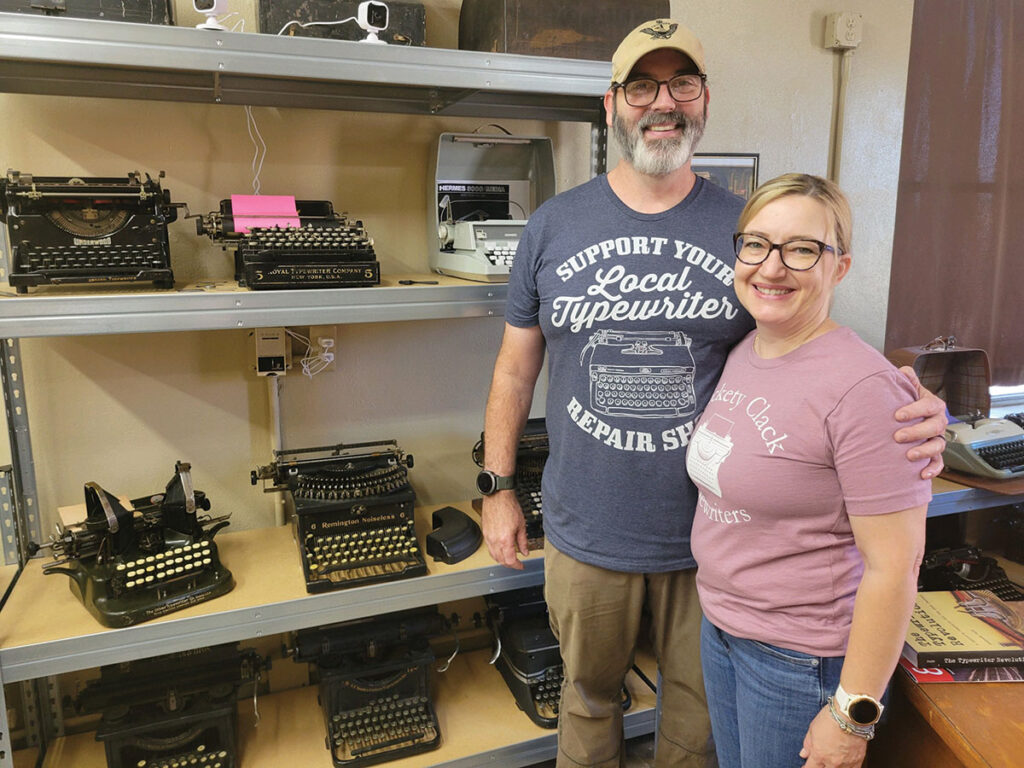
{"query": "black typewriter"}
[(531, 455), (65, 230), (374, 684), (326, 250), (172, 711), (131, 564), (353, 512)]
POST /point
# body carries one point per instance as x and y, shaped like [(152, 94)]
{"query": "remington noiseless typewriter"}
[(157, 555), (172, 711), (326, 250), (86, 230), (531, 455), (353, 512), (374, 679)]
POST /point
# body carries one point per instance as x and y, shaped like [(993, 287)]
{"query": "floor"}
[(639, 754)]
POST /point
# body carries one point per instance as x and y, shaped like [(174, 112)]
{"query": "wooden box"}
[(586, 29), (138, 11), (959, 375), (407, 21)]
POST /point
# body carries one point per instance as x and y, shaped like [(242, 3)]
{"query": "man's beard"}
[(661, 156)]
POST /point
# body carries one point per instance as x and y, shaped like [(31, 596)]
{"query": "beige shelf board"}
[(480, 723), (54, 632)]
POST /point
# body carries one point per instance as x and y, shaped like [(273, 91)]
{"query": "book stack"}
[(965, 635)]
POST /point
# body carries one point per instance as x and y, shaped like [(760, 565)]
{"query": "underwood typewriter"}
[(131, 564), (353, 512), (87, 230), (326, 250), (374, 682), (531, 455), (177, 710), (527, 654), (646, 374)]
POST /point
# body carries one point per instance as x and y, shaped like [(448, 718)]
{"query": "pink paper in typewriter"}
[(263, 211)]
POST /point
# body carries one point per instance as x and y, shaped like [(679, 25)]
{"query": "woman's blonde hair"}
[(824, 191)]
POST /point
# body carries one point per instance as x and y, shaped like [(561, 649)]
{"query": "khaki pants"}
[(595, 614)]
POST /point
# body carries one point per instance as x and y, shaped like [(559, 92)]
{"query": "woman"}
[(810, 524)]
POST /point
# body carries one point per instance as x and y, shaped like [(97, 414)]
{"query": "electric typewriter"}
[(65, 230), (353, 512), (326, 250), (374, 683), (987, 447), (172, 711), (531, 455), (131, 564)]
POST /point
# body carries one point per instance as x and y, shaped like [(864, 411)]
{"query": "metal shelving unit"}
[(76, 57)]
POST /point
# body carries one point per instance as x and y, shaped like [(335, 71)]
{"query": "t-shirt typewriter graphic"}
[(645, 374), (709, 448)]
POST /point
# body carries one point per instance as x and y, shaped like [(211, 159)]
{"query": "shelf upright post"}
[(598, 148), (22, 517)]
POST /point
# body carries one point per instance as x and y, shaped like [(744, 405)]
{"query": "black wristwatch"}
[(487, 482)]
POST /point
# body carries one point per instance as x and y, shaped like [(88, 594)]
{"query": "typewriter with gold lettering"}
[(325, 250), (374, 681), (531, 455), (352, 512), (129, 564), (172, 711), (64, 230)]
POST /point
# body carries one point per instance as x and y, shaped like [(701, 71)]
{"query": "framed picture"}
[(735, 172)]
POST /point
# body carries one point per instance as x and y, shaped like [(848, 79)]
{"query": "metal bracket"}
[(25, 508), (598, 149)]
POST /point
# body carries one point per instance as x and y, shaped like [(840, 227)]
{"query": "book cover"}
[(964, 628), (963, 674)]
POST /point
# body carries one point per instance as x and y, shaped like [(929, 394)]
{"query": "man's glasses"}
[(643, 91), (798, 255)]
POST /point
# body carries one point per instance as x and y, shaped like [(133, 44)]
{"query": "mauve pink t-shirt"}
[(784, 452)]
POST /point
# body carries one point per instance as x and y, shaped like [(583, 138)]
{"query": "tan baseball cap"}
[(651, 36)]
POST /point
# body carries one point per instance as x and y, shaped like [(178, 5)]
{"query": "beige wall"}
[(121, 409)]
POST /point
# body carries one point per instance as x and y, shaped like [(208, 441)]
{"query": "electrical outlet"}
[(843, 30), (324, 340), (273, 351)]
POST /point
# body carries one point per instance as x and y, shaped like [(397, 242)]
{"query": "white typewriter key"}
[(207, 561), (149, 579), (129, 584), (121, 566)]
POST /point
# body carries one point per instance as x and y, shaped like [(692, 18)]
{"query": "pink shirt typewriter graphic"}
[(643, 374), (710, 446)]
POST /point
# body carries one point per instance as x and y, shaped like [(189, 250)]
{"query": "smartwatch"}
[(487, 482), (859, 708)]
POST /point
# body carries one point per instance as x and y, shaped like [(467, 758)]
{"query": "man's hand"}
[(504, 528), (932, 411), (827, 746)]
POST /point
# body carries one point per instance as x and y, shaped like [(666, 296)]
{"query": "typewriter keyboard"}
[(389, 724), (197, 758), (88, 257), (1008, 455), (500, 257), (302, 241), (547, 693), (363, 555), (667, 392), (528, 494), (154, 570)]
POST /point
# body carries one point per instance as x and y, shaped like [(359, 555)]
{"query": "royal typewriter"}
[(531, 455), (527, 655), (352, 512), (129, 564), (374, 682), (172, 711), (87, 230), (326, 250)]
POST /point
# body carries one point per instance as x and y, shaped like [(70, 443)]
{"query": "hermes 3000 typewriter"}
[(173, 711), (86, 230), (131, 564), (374, 677), (353, 512), (326, 250)]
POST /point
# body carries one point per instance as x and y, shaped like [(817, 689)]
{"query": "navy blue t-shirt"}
[(638, 313)]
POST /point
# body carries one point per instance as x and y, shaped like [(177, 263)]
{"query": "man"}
[(626, 281)]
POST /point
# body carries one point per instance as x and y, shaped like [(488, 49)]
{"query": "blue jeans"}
[(762, 698)]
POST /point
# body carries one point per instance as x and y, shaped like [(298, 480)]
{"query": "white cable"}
[(260, 149), (313, 362), (315, 23)]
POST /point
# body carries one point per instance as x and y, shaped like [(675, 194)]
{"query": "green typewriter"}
[(129, 564)]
